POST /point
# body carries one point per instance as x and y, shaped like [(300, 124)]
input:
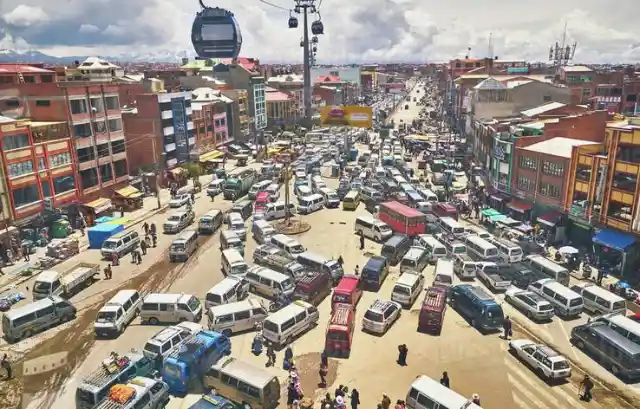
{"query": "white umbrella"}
[(568, 250)]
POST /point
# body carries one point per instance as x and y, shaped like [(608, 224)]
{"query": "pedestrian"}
[(386, 402), (143, 247), (25, 252), (340, 391), (445, 379), (134, 257), (361, 241), (399, 404), (323, 375), (107, 272), (475, 399), (357, 270), (327, 402), (147, 240), (355, 399), (154, 239), (288, 355), (7, 366), (587, 384), (292, 394), (340, 260), (402, 354), (115, 258), (138, 256), (506, 326), (340, 403), (145, 227), (271, 355)]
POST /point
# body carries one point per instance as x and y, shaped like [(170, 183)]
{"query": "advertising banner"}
[(347, 115), (180, 130)]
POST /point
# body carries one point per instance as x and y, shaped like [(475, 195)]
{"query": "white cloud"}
[(88, 28), (25, 16), (366, 30)]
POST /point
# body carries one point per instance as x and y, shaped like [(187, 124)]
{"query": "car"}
[(380, 316), (534, 306), (179, 200), (407, 157), (547, 363)]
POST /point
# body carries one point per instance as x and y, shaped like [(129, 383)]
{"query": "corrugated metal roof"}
[(542, 109), (559, 146), (577, 68)]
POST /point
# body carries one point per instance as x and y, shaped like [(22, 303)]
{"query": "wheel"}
[(153, 321), (529, 315), (27, 334), (227, 333), (289, 340), (474, 323)]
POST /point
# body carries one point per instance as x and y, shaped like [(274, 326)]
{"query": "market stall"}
[(128, 198), (176, 177), (95, 209)]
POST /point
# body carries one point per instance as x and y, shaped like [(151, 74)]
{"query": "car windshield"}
[(546, 307), (337, 336), (41, 287), (288, 284), (400, 289), (173, 219), (332, 196), (373, 316), (442, 278), (106, 316), (152, 348), (297, 249), (492, 252), (109, 244), (560, 365), (575, 302), (177, 247), (516, 252), (459, 250), (340, 298), (494, 313), (384, 228), (193, 304)]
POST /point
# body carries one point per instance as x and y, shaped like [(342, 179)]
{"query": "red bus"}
[(402, 218), (445, 210)]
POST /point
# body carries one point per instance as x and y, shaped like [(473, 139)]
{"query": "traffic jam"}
[(414, 200)]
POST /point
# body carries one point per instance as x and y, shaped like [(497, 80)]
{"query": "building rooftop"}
[(204, 95), (503, 78), (277, 96), (328, 78), (539, 110), (95, 63), (558, 146), (517, 83), (577, 68), (490, 84), (16, 68), (287, 78), (539, 124)]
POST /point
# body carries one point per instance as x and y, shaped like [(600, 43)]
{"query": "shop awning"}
[(100, 205), (129, 192), (497, 218), (210, 155), (550, 219), (615, 239), (519, 206), (497, 197), (491, 212)]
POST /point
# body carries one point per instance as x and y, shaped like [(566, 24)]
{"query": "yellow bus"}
[(351, 200)]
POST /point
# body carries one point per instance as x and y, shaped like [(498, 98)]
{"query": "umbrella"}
[(623, 284), (568, 250)]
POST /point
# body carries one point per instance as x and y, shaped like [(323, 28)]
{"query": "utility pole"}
[(158, 168)]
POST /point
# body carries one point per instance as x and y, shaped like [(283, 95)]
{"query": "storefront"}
[(617, 251), (520, 211), (95, 209), (552, 223), (128, 198), (498, 201)]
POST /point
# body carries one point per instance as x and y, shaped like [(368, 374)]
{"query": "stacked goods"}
[(121, 393)]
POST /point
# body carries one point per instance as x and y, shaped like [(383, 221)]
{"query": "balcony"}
[(167, 130), (166, 114)]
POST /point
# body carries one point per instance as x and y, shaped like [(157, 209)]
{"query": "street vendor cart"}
[(128, 198)]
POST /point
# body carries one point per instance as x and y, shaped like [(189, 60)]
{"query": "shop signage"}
[(498, 152)]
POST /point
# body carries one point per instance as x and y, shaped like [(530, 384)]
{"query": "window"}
[(78, 106), (46, 188), (632, 97), (25, 195), (546, 98), (115, 125), (17, 141), (96, 105), (85, 154), (29, 79), (243, 315), (82, 130), (529, 163), (63, 184), (117, 146), (106, 172), (42, 165), (112, 103), (103, 150), (20, 168), (287, 324), (88, 178), (552, 168), (43, 103), (46, 78), (99, 126), (426, 402), (60, 159), (550, 190)]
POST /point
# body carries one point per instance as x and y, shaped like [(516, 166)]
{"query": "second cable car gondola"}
[(215, 33), (317, 28)]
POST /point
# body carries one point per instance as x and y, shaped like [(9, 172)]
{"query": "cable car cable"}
[(272, 5)]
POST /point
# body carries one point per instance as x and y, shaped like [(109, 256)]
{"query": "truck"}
[(282, 264), (494, 276), (49, 282), (239, 184)]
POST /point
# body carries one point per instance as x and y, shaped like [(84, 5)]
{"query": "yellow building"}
[(281, 108)]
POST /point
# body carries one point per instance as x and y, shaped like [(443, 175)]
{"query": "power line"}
[(274, 5), (319, 5)]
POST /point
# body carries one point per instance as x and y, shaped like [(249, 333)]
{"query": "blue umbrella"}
[(623, 284)]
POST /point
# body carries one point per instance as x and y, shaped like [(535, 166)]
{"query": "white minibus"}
[(548, 268), (428, 195), (481, 248), (600, 301), (450, 226), (310, 204), (426, 393), (444, 273), (372, 228), (623, 325), (478, 231), (415, 260), (509, 251), (434, 248), (286, 243), (566, 302), (233, 263)]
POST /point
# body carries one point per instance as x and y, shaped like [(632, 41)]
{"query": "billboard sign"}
[(347, 115), (180, 130)]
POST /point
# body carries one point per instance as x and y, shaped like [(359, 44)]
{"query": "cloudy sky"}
[(356, 30)]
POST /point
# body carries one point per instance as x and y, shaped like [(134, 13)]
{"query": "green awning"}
[(490, 212), (497, 218)]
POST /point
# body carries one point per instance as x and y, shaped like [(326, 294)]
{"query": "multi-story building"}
[(37, 169), (92, 111), (345, 74), (281, 108), (292, 84), (238, 120), (160, 131), (210, 109), (630, 104)]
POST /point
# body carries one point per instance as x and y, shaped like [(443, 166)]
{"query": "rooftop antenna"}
[(562, 54)]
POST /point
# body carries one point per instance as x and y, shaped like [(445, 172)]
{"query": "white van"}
[(509, 251), (236, 225), (163, 341), (163, 307), (380, 172), (117, 313), (548, 268), (435, 249), (310, 204), (443, 273), (450, 226), (257, 188), (331, 198), (269, 283), (230, 289), (407, 289), (428, 195), (233, 263), (230, 240), (234, 317), (27, 320), (184, 246), (210, 221), (262, 231), (302, 191), (274, 192), (566, 302), (372, 228), (600, 301), (282, 327), (427, 393), (465, 267), (317, 262), (276, 210), (481, 248), (286, 243), (415, 260), (478, 231), (121, 243)]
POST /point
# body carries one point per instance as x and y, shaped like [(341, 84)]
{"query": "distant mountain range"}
[(7, 55)]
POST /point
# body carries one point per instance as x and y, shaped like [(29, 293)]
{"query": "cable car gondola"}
[(293, 21), (314, 39), (317, 28), (215, 33)]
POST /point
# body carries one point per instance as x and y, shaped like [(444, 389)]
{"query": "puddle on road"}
[(78, 338)]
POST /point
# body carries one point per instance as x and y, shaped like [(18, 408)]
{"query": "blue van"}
[(374, 273), (211, 401), (478, 306), (395, 248)]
